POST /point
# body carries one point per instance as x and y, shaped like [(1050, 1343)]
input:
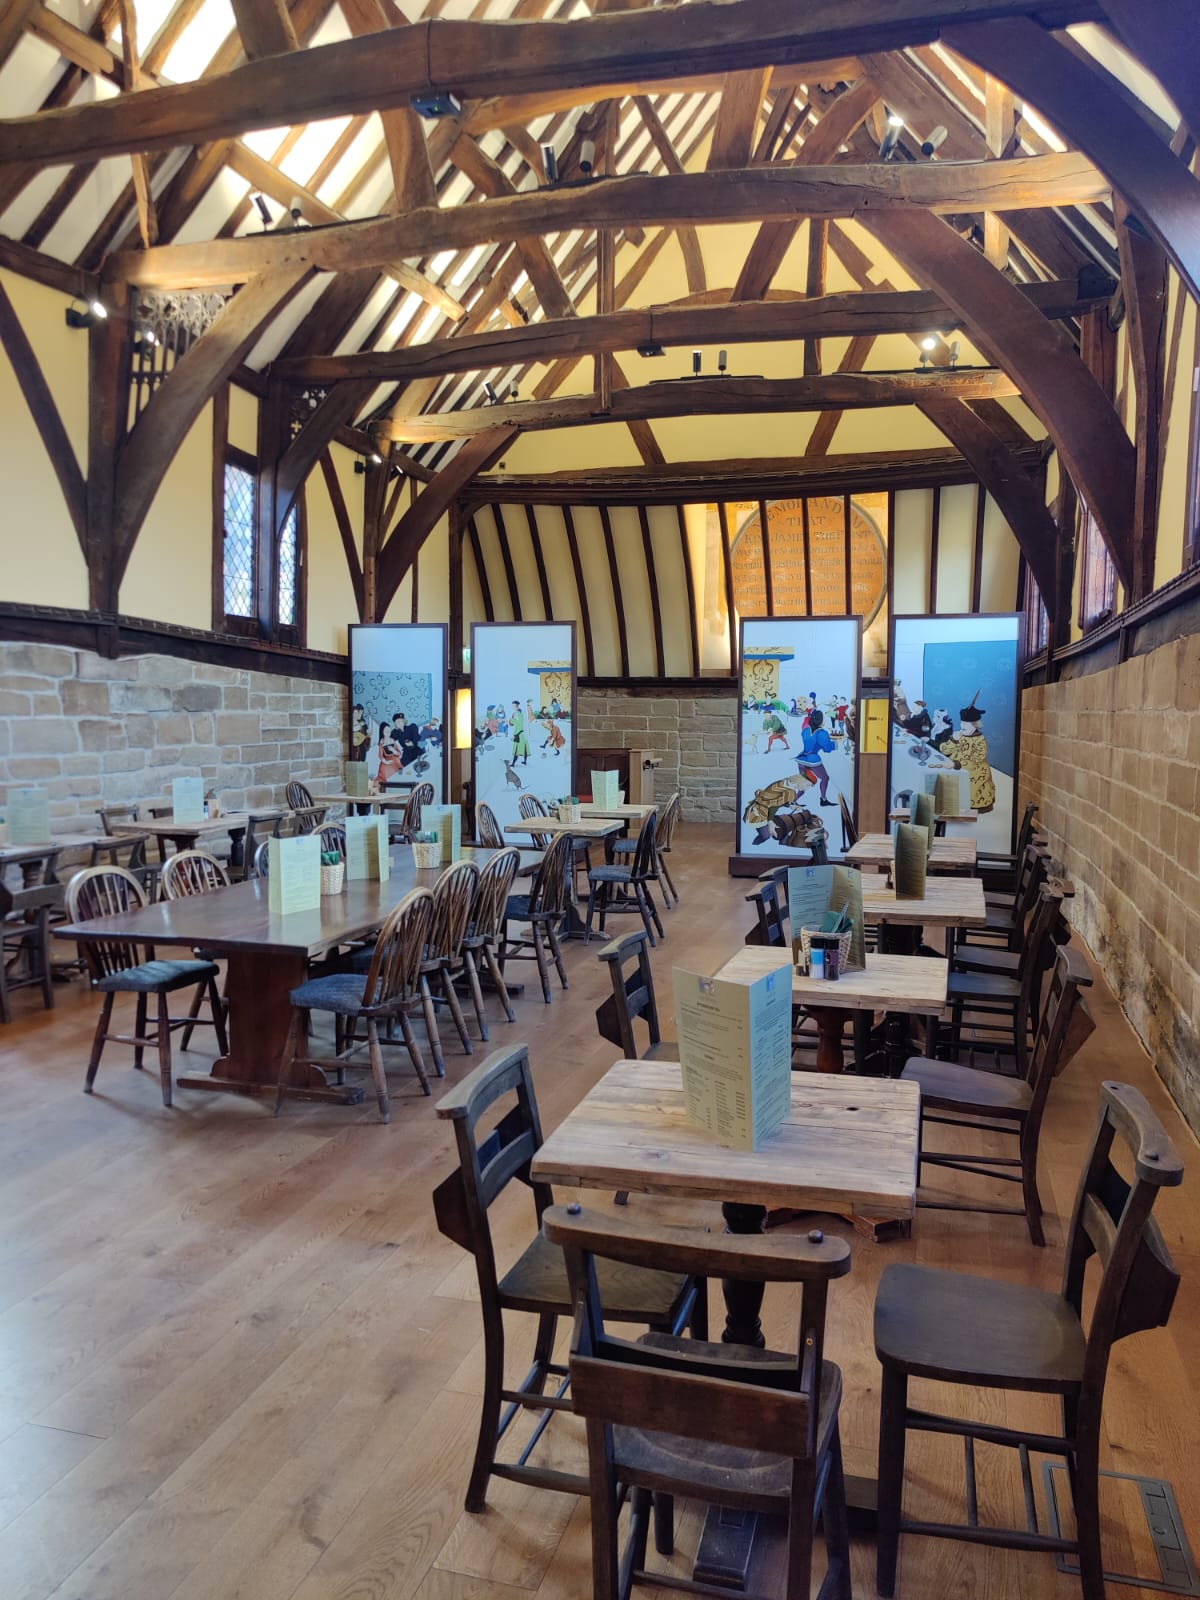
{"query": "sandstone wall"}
[(1112, 760), (696, 735), (94, 731)]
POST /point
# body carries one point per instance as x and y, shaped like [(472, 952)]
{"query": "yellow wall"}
[(169, 577)]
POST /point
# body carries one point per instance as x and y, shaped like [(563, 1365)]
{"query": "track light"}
[(891, 136), (490, 390), (587, 156), (935, 140), (697, 360), (375, 459), (929, 342), (514, 393), (723, 361), (82, 313), (264, 210), (550, 162), (296, 209), (954, 354)]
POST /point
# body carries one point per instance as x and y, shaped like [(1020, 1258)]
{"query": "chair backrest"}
[(260, 825), (632, 996), (395, 970), (424, 792), (668, 820), (487, 1166), (105, 892), (299, 796), (1064, 1027), (1112, 1221), (1037, 955), (849, 830), (260, 862), (549, 891), (333, 837), (748, 1404), (530, 807), (422, 795), (491, 895), (307, 819), (645, 857), (453, 899), (191, 872), (1032, 870), (157, 813), (487, 829), (1025, 831), (110, 814), (770, 914)]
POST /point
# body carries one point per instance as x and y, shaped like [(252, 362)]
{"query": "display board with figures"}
[(398, 706), (523, 707)]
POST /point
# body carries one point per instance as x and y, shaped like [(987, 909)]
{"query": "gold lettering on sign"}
[(826, 550)]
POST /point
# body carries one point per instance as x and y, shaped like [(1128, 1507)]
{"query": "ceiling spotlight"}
[(935, 140), (376, 458), (98, 309), (296, 209), (894, 121), (697, 360), (651, 347), (891, 136), (929, 342), (587, 156), (723, 361), (490, 390), (550, 162), (514, 393)]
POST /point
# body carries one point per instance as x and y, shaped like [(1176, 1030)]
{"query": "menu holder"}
[(28, 816), (847, 896), (446, 821), (367, 853), (358, 779), (187, 800), (816, 898), (912, 855), (735, 1053), (947, 796), (294, 874), (925, 815), (605, 789)]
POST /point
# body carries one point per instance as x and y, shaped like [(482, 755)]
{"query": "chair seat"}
[(538, 1282), (986, 958), (517, 909), (981, 1331), (948, 1084), (624, 847), (610, 875), (339, 992), (982, 986), (157, 977), (720, 1473)]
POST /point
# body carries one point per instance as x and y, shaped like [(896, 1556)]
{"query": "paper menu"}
[(924, 815), (28, 816), (294, 874), (605, 788), (187, 800), (446, 822), (358, 779), (912, 854), (735, 1053), (846, 895), (947, 796), (809, 889), (367, 848)]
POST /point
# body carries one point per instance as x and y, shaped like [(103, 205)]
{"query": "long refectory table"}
[(267, 955)]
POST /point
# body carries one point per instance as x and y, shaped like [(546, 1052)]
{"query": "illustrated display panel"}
[(798, 732), (956, 706), (523, 705), (398, 713)]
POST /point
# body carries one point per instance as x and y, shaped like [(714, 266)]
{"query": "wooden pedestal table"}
[(878, 851), (363, 804), (268, 957), (606, 828), (850, 1145)]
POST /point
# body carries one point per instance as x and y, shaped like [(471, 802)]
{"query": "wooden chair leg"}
[(668, 881), (470, 967), (497, 974), (835, 1520), (193, 1013), (893, 1408), (587, 937), (556, 951), (539, 950), (800, 1530), (414, 1050), (431, 1028), (664, 1526), (653, 904), (605, 1560), (43, 955), (1085, 1485), (296, 1030), (217, 1006), (460, 1022), (1029, 1184), (98, 1042), (164, 1047), (385, 1109), (639, 890), (489, 1418), (139, 1030)]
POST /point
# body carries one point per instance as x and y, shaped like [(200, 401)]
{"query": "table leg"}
[(237, 849), (260, 1014), (830, 1021)]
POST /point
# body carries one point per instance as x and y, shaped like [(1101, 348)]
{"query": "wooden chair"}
[(617, 888), (486, 929), (543, 908), (117, 966), (770, 912), (308, 815), (1008, 913), (25, 936), (391, 986), (728, 1425), (410, 821), (530, 807), (849, 830), (190, 872), (667, 821), (487, 829), (632, 999), (537, 1282), (260, 862), (958, 1096), (983, 1333), (453, 898), (999, 871), (333, 837), (260, 826)]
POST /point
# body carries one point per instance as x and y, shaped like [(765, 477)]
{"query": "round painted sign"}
[(827, 552)]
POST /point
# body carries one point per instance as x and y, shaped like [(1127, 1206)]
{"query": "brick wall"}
[(696, 735), (95, 731), (1112, 760)]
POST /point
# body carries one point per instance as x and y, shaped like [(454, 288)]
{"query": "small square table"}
[(879, 850)]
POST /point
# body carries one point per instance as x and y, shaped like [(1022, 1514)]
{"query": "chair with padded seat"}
[(500, 1094), (190, 872), (443, 961), (543, 908), (383, 995), (117, 965), (728, 1425), (618, 888), (964, 1097), (486, 928), (986, 1333)]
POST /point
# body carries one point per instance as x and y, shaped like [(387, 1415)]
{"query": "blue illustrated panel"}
[(953, 672)]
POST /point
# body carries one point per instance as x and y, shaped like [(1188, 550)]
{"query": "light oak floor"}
[(238, 1362)]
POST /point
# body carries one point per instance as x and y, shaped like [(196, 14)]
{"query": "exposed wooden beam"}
[(49, 270), (734, 136), (1164, 37), (476, 59), (265, 27), (1053, 381), (146, 214), (12, 25), (708, 397), (419, 521), (1001, 123), (855, 358), (689, 239), (341, 515), (1144, 283), (779, 193), (833, 316), (1155, 184)]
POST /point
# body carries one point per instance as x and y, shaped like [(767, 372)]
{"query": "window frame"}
[(293, 633), (224, 621), (1097, 573), (1191, 531)]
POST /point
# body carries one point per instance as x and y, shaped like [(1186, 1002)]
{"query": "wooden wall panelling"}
[(727, 573)]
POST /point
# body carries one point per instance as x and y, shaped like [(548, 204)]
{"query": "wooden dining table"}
[(624, 813), (878, 850), (268, 955), (183, 835)]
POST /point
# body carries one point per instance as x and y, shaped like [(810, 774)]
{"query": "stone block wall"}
[(1112, 760), (94, 731), (696, 735)]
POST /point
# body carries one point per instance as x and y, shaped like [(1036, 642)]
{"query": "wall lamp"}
[(374, 458), (83, 313)]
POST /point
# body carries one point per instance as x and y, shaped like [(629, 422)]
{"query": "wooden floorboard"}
[(238, 1362)]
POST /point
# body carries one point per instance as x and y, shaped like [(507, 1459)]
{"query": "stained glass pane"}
[(239, 541), (287, 570)]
